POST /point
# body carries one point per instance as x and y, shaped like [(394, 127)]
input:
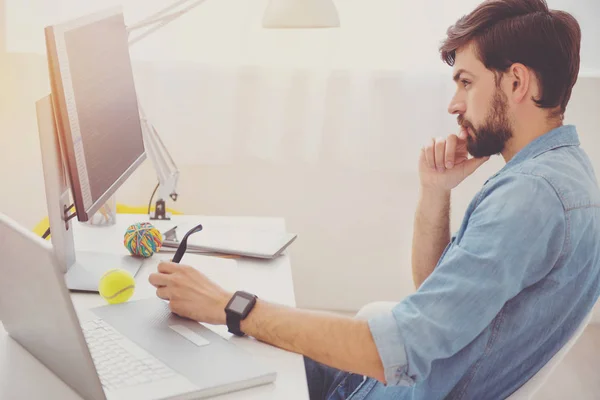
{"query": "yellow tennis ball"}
[(116, 286)]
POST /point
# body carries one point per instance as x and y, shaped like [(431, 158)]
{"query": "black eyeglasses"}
[(181, 249)]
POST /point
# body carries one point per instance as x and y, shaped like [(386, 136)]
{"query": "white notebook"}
[(234, 241)]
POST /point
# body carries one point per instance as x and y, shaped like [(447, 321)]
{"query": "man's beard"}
[(492, 136)]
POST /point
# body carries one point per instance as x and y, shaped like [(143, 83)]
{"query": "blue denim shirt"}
[(514, 283)]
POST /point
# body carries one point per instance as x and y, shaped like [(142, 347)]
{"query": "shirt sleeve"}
[(512, 239)]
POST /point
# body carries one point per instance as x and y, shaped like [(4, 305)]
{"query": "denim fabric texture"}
[(514, 283)]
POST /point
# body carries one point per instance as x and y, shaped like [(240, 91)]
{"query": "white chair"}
[(530, 387)]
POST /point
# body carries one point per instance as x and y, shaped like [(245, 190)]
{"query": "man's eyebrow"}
[(459, 72)]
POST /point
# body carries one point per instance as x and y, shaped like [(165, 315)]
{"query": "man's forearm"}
[(340, 342), (431, 232)]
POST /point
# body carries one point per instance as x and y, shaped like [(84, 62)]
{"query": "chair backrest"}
[(527, 391)]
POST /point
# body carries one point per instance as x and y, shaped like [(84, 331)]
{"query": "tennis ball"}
[(116, 286)]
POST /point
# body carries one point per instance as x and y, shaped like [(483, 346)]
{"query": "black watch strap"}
[(233, 324)]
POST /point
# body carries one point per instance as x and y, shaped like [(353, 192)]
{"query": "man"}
[(496, 301)]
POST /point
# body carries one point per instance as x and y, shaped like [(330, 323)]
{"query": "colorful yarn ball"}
[(143, 239)]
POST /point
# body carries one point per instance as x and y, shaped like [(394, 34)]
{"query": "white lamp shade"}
[(301, 14)]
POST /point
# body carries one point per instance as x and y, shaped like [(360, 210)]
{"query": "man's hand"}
[(341, 342), (190, 293), (444, 163)]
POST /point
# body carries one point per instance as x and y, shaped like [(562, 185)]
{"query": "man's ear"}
[(520, 81)]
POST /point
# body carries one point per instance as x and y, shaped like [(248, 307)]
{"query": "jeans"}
[(327, 383)]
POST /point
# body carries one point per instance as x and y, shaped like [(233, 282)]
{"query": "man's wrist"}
[(435, 192), (434, 204), (223, 304)]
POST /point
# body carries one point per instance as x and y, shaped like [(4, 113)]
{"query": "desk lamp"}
[(279, 14)]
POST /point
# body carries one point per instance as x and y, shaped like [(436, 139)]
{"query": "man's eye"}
[(465, 82)]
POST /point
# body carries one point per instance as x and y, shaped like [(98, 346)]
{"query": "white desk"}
[(23, 377)]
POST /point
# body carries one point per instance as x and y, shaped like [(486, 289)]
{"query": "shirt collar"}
[(565, 135)]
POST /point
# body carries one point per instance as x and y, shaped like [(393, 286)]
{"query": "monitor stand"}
[(82, 269)]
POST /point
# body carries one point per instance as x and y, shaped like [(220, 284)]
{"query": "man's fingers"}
[(474, 163), (163, 293), (165, 267), (450, 150), (429, 154), (158, 280), (440, 152)]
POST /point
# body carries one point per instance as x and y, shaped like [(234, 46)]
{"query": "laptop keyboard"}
[(119, 362)]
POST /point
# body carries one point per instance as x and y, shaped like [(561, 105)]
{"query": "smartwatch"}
[(238, 309)]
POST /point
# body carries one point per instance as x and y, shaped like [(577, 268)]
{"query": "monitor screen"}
[(95, 106)]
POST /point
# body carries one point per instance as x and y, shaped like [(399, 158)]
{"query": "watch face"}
[(239, 304)]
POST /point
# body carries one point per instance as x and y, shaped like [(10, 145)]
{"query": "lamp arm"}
[(164, 166), (160, 20), (157, 16)]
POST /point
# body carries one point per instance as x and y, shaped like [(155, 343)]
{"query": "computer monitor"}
[(96, 106), (90, 134)]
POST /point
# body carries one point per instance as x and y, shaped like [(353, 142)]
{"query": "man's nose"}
[(457, 106)]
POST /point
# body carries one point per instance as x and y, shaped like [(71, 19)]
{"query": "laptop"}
[(253, 243), (261, 244), (134, 350)]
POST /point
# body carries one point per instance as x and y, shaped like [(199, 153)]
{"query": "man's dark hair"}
[(527, 32)]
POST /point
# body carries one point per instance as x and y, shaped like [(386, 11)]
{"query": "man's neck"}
[(526, 132)]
